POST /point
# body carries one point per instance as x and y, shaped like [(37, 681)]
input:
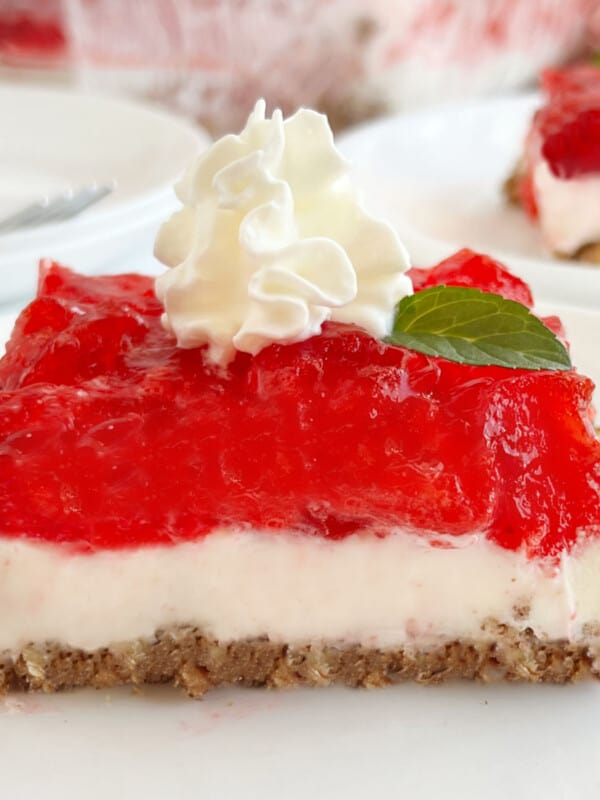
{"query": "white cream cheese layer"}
[(388, 592), (569, 210)]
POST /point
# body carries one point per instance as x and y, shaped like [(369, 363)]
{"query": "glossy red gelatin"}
[(478, 271), (111, 436), (581, 79), (474, 271)]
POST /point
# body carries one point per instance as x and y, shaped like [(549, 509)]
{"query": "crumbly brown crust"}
[(511, 186), (589, 253), (185, 658)]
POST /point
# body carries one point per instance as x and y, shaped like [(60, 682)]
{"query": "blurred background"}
[(354, 59)]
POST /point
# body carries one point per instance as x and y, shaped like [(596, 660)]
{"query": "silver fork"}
[(56, 209)]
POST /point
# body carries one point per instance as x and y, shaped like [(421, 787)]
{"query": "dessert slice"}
[(281, 467), (558, 179), (336, 510)]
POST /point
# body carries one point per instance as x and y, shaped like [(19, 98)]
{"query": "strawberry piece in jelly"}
[(475, 271), (567, 128)]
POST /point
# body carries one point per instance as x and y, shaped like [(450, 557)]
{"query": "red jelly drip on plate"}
[(112, 437)]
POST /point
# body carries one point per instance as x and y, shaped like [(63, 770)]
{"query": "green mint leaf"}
[(474, 327)]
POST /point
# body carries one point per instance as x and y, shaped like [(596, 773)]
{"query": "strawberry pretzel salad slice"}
[(557, 181), (293, 460)]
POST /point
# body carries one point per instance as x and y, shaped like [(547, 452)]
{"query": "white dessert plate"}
[(457, 742), (438, 175), (52, 141)]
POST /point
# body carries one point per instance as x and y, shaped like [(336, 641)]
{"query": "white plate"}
[(457, 742), (53, 140), (438, 175)]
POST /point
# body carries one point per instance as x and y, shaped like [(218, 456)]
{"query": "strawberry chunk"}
[(474, 270), (573, 149), (576, 79), (566, 130)]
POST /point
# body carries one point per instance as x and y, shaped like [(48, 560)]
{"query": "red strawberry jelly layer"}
[(112, 437)]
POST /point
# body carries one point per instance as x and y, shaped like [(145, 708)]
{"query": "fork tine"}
[(37, 214), (23, 217), (79, 202), (59, 208), (33, 214)]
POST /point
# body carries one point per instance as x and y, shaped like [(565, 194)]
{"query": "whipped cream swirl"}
[(272, 241)]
